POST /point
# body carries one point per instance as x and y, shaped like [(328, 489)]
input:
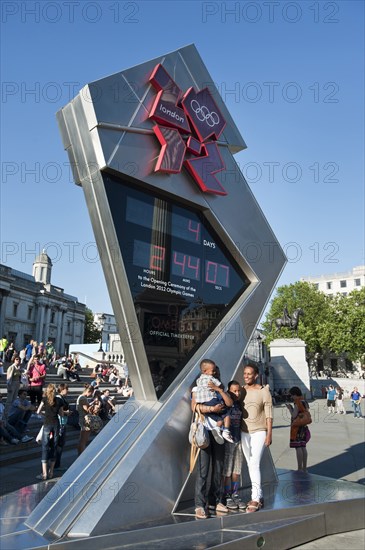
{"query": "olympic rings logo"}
[(203, 114)]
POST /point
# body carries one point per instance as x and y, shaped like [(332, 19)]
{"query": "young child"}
[(218, 422), (233, 455)]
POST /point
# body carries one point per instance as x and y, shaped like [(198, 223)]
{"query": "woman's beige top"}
[(256, 408)]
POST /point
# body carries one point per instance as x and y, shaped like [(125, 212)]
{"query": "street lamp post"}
[(259, 344), (102, 319), (259, 341)]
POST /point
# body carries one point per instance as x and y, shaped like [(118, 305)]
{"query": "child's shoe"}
[(216, 433), (236, 499), (227, 435), (230, 503)]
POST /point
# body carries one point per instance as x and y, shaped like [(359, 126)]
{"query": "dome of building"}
[(42, 268), (43, 258)]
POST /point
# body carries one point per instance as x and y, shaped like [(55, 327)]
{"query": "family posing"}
[(241, 418)]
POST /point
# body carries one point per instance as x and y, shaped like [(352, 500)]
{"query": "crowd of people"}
[(115, 376), (335, 397), (29, 395)]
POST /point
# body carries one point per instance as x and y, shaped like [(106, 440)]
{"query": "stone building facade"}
[(32, 308), (343, 283), (106, 324)]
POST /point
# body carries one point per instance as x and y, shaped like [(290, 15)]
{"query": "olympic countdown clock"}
[(190, 262)]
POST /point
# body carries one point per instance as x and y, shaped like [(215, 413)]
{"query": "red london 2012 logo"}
[(195, 116)]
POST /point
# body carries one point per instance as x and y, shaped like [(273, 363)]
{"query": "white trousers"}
[(253, 447)]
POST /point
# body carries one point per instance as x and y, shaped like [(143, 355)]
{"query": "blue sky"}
[(291, 74)]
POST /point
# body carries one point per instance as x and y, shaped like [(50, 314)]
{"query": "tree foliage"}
[(92, 332), (344, 330), (330, 324)]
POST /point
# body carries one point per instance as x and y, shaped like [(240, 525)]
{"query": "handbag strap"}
[(194, 453), (194, 450), (299, 402), (39, 373), (201, 416)]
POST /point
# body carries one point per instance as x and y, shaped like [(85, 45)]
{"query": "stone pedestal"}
[(289, 364)]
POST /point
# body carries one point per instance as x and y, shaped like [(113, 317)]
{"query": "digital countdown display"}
[(182, 279)]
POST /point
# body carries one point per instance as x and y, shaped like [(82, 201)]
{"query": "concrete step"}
[(75, 388), (52, 377), (13, 454), (23, 452)]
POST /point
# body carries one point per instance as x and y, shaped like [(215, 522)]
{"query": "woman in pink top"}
[(36, 372), (256, 431)]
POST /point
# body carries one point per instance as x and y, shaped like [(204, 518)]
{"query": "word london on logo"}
[(172, 114)]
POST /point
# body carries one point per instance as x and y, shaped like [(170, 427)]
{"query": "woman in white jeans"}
[(256, 430), (340, 409)]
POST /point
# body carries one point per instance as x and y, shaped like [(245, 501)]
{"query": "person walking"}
[(82, 407), (62, 391), (355, 401), (340, 409), (52, 410), (331, 399), (256, 430)]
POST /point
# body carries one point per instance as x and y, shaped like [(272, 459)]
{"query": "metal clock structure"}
[(190, 262)]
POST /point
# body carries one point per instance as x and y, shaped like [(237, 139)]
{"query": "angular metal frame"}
[(121, 478)]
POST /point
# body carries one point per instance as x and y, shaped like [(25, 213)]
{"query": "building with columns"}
[(32, 308)]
